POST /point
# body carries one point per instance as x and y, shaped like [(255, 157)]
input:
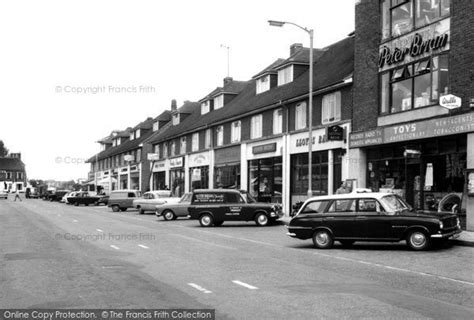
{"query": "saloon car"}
[(352, 217), (214, 206), (173, 210), (151, 198)]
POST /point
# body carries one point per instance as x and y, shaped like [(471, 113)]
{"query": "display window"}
[(199, 177), (227, 176), (177, 182), (265, 179)]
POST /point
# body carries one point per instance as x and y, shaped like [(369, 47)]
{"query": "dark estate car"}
[(84, 198), (213, 207), (370, 217)]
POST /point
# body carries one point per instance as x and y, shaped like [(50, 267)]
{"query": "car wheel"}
[(96, 203), (417, 240), (261, 219), (218, 223), (76, 204), (169, 215), (322, 239), (141, 211), (115, 208), (347, 243), (123, 209), (206, 220)]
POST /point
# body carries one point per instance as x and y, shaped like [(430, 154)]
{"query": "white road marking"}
[(143, 246), (99, 230), (74, 220), (198, 287), (243, 284), (115, 247)]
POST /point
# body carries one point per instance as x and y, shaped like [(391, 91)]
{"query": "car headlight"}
[(441, 225)]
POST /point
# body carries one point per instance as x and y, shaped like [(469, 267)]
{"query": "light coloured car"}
[(3, 194), (67, 195), (171, 211), (152, 198)]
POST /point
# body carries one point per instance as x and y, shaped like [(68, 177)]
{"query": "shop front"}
[(227, 168), (199, 170), (265, 171), (159, 175), (177, 176), (425, 162), (134, 178), (123, 181), (328, 152)]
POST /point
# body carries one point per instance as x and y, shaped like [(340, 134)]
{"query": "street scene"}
[(259, 160)]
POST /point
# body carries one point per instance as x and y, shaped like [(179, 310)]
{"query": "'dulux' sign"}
[(450, 101)]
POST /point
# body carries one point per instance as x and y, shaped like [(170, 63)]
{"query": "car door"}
[(340, 218), (234, 209), (371, 221)]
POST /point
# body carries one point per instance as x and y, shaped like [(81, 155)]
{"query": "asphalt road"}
[(58, 256)]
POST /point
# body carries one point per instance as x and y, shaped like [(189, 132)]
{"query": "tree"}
[(3, 149)]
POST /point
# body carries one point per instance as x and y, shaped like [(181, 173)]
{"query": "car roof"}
[(217, 190), (126, 190), (352, 195)]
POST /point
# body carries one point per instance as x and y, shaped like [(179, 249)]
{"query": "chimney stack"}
[(173, 105), (227, 80), (295, 47)]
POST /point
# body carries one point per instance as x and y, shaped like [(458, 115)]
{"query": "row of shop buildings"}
[(393, 110)]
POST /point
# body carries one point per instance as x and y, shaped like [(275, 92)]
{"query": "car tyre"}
[(141, 211), (123, 209), (115, 208), (261, 220), (322, 239), (206, 220), (418, 240), (169, 215), (218, 223)]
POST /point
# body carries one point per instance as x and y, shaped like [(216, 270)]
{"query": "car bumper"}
[(291, 234), (453, 234)]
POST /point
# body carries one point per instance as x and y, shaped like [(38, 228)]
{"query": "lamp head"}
[(275, 23)]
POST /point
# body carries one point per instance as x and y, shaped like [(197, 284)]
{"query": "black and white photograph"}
[(236, 159)]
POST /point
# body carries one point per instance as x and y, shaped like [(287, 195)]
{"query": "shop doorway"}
[(413, 182)]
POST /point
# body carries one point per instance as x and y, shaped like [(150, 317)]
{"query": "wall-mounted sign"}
[(415, 130), (335, 133), (422, 43), (264, 148), (128, 157), (153, 156), (450, 101), (176, 162), (199, 159)]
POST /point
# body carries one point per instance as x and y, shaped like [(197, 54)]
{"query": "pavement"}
[(466, 238)]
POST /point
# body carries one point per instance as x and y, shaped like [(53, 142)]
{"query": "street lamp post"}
[(275, 23)]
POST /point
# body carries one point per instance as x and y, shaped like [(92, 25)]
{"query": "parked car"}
[(173, 210), (213, 207), (3, 194), (64, 199), (121, 200), (55, 195), (151, 198), (370, 217), (104, 199), (84, 198)]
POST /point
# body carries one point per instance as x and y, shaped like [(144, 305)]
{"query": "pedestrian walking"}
[(17, 195)]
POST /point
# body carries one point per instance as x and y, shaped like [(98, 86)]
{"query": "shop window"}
[(300, 116), (195, 142), (278, 121), (265, 179), (415, 85), (427, 11), (402, 17), (256, 127), (220, 135), (227, 177), (235, 134), (331, 107), (299, 173)]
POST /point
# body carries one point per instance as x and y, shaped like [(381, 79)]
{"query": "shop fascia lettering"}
[(304, 141), (417, 47)]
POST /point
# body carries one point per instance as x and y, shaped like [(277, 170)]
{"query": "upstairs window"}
[(207, 141), (205, 107), (155, 126), (138, 154), (235, 136), (285, 75), (195, 142), (219, 102), (263, 84), (137, 133), (331, 107), (175, 119), (165, 150), (256, 127), (182, 147), (156, 149), (220, 135), (278, 121), (300, 116)]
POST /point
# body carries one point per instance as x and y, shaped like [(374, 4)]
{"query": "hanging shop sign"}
[(412, 131), (419, 44), (450, 101), (159, 166), (335, 133), (153, 156)]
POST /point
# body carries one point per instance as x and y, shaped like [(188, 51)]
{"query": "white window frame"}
[(165, 149), (156, 126), (175, 119), (207, 141), (137, 133), (262, 84), (195, 142), (205, 107), (220, 136), (278, 121), (285, 75), (156, 149), (300, 116), (218, 102), (256, 127), (331, 107), (235, 131), (182, 145), (173, 148)]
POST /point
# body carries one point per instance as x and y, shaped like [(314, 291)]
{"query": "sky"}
[(72, 71)]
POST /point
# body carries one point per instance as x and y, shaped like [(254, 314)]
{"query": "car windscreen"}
[(248, 197), (393, 203)]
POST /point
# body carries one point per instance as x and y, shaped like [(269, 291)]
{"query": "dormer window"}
[(156, 126), (137, 133), (205, 107), (132, 135), (285, 75), (175, 119), (263, 84), (219, 102)]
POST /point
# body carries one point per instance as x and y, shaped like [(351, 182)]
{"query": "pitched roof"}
[(270, 69), (232, 87), (302, 56), (164, 116), (11, 164), (334, 65)]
